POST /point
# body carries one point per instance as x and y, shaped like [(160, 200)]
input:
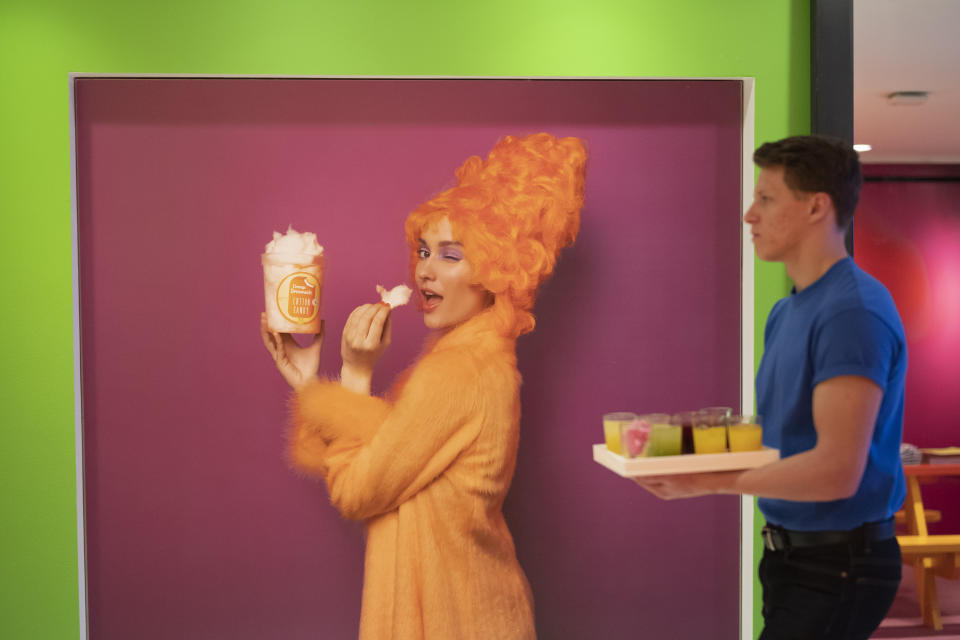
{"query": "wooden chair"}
[(930, 555)]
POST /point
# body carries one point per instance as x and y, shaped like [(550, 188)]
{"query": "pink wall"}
[(196, 528), (907, 234)]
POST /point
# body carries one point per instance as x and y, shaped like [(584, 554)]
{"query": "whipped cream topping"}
[(398, 296), (293, 242)]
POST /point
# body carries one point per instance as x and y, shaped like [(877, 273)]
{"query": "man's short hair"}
[(817, 164)]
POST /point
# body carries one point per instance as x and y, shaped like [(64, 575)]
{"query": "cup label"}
[(298, 297)]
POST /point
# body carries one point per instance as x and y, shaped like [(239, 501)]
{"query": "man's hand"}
[(689, 485)]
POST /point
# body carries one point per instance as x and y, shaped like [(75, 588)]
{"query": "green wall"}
[(41, 41)]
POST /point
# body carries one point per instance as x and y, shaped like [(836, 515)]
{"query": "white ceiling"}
[(907, 45)]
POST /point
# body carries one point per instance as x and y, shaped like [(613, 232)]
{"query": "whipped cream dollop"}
[(396, 297), (293, 242)]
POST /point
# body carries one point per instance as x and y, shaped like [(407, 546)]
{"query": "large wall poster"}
[(196, 527)]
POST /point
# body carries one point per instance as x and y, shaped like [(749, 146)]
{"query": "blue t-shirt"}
[(843, 324)]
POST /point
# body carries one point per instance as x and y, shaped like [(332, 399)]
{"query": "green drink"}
[(665, 439)]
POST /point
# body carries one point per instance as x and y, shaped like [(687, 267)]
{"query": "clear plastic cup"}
[(720, 413), (710, 430), (293, 289), (685, 420), (612, 423), (666, 439), (746, 433)]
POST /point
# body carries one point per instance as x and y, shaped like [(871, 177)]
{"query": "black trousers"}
[(837, 591)]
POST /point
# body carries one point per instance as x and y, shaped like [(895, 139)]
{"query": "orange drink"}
[(746, 434)]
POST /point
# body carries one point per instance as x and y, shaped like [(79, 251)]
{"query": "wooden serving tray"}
[(688, 463)]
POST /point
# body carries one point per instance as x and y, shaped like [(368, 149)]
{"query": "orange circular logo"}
[(298, 297)]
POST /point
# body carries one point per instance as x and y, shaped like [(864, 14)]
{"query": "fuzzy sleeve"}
[(325, 411), (437, 415)]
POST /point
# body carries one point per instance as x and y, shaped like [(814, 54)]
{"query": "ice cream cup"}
[(293, 288)]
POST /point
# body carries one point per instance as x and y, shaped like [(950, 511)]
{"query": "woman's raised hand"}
[(366, 336), (298, 365)]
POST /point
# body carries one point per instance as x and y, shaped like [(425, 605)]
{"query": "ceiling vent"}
[(907, 98)]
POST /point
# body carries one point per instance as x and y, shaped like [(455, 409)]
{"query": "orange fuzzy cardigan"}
[(428, 471)]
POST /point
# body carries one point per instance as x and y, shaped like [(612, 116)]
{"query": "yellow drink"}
[(611, 434), (611, 429), (746, 437), (710, 439)]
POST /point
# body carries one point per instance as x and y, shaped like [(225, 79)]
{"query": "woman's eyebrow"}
[(442, 243)]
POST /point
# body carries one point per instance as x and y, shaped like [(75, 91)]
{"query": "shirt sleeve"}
[(325, 411), (436, 416), (854, 343)]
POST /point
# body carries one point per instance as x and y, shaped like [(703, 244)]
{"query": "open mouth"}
[(430, 299)]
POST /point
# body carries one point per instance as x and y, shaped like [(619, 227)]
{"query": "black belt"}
[(777, 538)]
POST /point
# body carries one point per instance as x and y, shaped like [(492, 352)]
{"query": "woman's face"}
[(443, 276)]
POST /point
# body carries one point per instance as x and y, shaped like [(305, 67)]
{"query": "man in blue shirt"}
[(830, 390)]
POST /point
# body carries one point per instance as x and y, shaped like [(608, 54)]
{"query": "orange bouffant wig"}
[(513, 212)]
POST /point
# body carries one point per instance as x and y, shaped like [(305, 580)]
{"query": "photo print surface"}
[(196, 527)]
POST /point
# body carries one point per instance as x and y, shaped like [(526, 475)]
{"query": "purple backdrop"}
[(196, 528)]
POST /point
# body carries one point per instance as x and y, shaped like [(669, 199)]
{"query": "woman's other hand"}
[(298, 365), (365, 337)]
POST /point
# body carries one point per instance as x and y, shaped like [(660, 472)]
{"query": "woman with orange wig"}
[(428, 467)]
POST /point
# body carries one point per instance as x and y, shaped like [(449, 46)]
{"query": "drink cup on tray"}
[(651, 435), (710, 431), (613, 424), (746, 433)]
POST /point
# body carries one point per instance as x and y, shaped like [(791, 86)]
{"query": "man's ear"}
[(821, 206)]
